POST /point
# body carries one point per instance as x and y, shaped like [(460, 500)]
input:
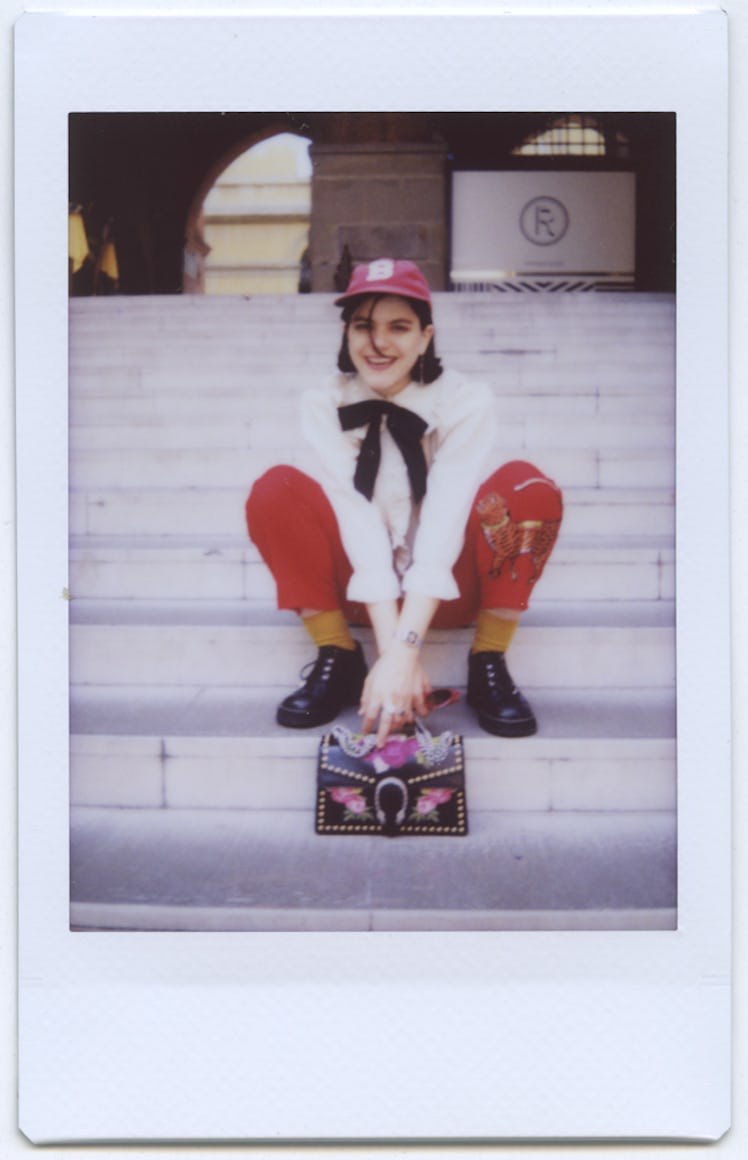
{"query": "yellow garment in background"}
[(108, 261), (77, 241)]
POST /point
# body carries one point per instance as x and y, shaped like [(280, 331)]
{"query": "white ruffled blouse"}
[(394, 545)]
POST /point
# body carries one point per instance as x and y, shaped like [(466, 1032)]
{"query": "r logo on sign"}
[(380, 270), (544, 221)]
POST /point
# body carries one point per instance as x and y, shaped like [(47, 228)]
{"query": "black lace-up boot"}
[(336, 680), (500, 706)]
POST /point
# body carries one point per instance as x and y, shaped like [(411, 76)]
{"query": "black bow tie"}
[(405, 427)]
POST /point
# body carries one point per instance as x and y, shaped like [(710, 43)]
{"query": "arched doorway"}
[(249, 234)]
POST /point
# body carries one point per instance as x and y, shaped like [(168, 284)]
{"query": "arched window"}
[(255, 220), (575, 134)]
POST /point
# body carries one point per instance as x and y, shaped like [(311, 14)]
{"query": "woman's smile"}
[(385, 340)]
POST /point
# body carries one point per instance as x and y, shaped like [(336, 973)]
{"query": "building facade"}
[(389, 183)]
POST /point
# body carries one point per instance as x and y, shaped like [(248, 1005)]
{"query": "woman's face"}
[(385, 342)]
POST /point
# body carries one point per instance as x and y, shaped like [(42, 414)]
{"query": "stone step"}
[(619, 568), (252, 343), (451, 311), (251, 349), (455, 330), (165, 311), (212, 512), (267, 870), (245, 613), (193, 748), (280, 432), (235, 405), (567, 716), (183, 377), (264, 655), (252, 774), (589, 467)]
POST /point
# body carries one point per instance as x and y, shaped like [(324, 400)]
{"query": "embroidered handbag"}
[(414, 784)]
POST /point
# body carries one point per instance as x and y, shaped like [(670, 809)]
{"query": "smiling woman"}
[(401, 522), (403, 323), (386, 339)]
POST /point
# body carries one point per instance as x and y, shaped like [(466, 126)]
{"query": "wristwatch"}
[(408, 636)]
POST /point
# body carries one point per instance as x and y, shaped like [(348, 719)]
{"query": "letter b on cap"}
[(380, 270)]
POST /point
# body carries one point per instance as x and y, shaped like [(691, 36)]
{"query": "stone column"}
[(381, 200)]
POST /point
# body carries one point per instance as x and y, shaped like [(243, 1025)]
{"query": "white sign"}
[(510, 224)]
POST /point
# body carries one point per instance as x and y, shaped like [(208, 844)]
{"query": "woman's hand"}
[(395, 689), (397, 685)]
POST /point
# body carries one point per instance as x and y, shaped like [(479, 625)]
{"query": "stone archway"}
[(247, 227)]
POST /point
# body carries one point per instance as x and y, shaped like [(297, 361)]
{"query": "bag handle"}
[(433, 748)]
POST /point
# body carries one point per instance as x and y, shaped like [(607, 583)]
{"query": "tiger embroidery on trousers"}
[(509, 539)]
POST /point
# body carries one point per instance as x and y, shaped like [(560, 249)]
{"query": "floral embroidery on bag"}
[(356, 809), (394, 753), (426, 808)]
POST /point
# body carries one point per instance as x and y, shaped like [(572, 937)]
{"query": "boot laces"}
[(497, 676), (319, 669)]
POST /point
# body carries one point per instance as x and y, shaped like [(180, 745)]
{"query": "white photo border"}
[(539, 1035)]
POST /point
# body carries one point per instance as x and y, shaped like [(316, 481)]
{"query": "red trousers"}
[(510, 532)]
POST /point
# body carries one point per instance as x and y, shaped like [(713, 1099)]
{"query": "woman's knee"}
[(523, 490), (278, 485), (282, 498), (271, 493)]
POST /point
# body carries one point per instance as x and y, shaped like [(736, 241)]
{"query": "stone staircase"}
[(191, 809)]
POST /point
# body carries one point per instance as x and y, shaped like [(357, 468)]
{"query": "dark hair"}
[(430, 367)]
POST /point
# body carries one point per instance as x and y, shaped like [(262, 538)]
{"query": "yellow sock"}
[(329, 628), (492, 633)]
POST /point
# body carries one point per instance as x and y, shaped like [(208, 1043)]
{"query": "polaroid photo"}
[(387, 359)]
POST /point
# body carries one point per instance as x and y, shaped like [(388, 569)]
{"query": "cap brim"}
[(381, 288)]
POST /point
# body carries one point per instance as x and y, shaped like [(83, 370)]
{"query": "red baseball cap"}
[(387, 276)]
